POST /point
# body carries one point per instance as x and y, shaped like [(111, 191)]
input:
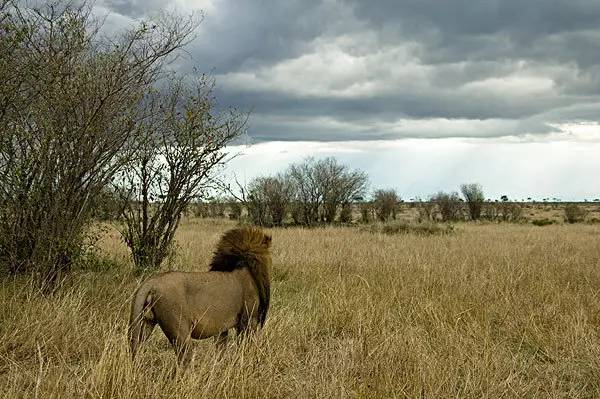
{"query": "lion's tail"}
[(141, 318)]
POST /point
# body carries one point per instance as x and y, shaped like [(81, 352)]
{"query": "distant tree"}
[(216, 207), (473, 195), (324, 186), (425, 209), (235, 209), (504, 198), (346, 213), (367, 211), (268, 200), (340, 186), (448, 205), (386, 204), (574, 213), (308, 196)]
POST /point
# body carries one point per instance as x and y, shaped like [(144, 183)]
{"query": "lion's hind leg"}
[(139, 334), (180, 335)]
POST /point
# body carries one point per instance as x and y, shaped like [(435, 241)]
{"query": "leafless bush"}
[(200, 209), (426, 210), (574, 213), (216, 207), (386, 204), (510, 211), (107, 205), (448, 205), (367, 212), (69, 106), (323, 187), (346, 213), (235, 209), (180, 144), (268, 200), (473, 195)]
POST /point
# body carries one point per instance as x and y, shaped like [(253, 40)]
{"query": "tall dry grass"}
[(488, 312)]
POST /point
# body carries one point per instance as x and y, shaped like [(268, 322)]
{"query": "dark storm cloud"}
[(391, 106), (361, 65), (249, 34), (245, 33)]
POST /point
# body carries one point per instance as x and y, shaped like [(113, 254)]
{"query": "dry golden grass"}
[(488, 312)]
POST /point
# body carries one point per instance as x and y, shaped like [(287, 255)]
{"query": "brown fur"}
[(234, 293)]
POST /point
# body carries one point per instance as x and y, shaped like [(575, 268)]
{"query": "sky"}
[(423, 95)]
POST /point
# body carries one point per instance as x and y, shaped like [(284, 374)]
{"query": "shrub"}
[(346, 213), (366, 212), (411, 228), (70, 108), (268, 200), (542, 222), (574, 213), (448, 204), (386, 204), (426, 211), (235, 210), (321, 187), (473, 194)]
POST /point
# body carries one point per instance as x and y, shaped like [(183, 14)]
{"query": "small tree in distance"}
[(323, 187), (574, 213), (386, 204), (448, 204), (473, 195), (268, 200)]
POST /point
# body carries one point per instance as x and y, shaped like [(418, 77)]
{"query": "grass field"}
[(491, 311)]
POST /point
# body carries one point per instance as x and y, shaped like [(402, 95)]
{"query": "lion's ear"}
[(267, 241)]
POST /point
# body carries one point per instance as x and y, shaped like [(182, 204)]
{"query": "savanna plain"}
[(488, 311)]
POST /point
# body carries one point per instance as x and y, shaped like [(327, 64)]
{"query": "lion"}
[(234, 293)]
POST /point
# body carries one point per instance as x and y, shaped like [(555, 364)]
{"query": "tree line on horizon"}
[(325, 191)]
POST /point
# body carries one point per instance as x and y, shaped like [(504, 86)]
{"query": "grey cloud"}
[(459, 42), (386, 107), (491, 29), (246, 34)]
